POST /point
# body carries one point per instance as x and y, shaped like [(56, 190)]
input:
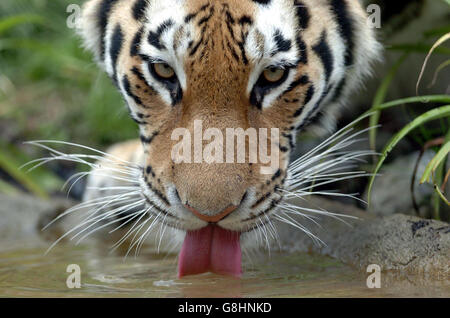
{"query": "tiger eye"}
[(164, 70), (273, 74)]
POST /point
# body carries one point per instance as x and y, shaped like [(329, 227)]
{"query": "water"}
[(27, 272)]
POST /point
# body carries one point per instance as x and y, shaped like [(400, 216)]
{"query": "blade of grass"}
[(437, 32), (379, 98), (431, 143), (7, 23), (438, 70), (433, 114), (441, 40), (418, 48), (436, 167), (435, 162), (417, 99), (441, 195), (7, 164), (42, 48)]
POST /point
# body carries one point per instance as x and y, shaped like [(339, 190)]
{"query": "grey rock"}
[(391, 190), (403, 243), (22, 217)]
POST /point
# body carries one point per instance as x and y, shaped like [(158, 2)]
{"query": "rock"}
[(407, 244), (398, 175), (22, 217)]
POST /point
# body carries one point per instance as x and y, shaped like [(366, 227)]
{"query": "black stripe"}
[(206, 19), (241, 45), (149, 171), (303, 15), (339, 90), (103, 13), (127, 88), (316, 118), (204, 7), (346, 28), (195, 48), (302, 50), (256, 98), (233, 51), (245, 19), (323, 50), (290, 138), (283, 149), (308, 96), (136, 42), (139, 8), (158, 193), (276, 175), (138, 73), (230, 22), (115, 48), (313, 111), (136, 120), (263, 2), (283, 44), (148, 140), (154, 38), (261, 200), (191, 16), (303, 80)]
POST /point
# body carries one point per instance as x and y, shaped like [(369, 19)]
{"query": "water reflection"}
[(28, 272)]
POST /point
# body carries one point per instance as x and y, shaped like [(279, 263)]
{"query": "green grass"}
[(50, 88), (435, 171)]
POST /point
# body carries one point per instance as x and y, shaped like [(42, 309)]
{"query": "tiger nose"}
[(212, 218)]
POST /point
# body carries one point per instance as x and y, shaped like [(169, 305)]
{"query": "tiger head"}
[(228, 64)]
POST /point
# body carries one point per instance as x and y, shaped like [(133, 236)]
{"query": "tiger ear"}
[(91, 27)]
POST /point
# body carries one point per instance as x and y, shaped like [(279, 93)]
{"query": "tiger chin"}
[(231, 64)]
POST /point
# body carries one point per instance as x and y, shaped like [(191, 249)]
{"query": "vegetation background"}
[(51, 89)]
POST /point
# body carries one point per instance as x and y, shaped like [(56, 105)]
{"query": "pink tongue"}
[(210, 249)]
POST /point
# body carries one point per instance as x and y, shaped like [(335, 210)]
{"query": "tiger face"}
[(230, 64)]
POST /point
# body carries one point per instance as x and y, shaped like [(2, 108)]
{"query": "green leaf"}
[(437, 32), (441, 195), (11, 22), (41, 177), (435, 162), (379, 98), (441, 40), (418, 48), (433, 114), (417, 99), (42, 48), (437, 71), (7, 164)]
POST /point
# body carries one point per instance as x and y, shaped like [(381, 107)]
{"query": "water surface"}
[(28, 272)]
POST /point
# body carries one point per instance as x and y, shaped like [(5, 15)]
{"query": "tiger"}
[(284, 64)]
